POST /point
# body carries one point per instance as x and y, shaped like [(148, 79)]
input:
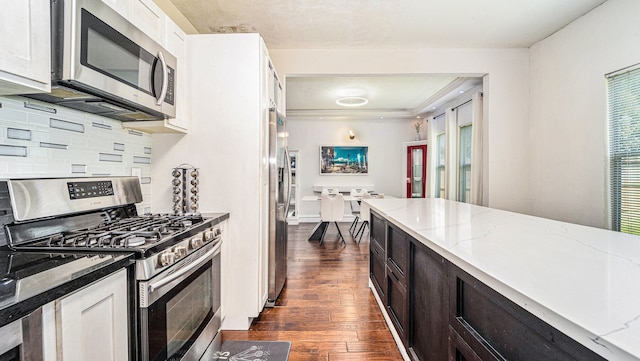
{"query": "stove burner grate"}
[(127, 233)]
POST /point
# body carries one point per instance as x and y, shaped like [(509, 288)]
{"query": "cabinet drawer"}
[(459, 350), (377, 273), (493, 326), (396, 304), (398, 253), (377, 251), (377, 231)]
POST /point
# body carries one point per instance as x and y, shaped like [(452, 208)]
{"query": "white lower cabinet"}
[(92, 323), (49, 350)]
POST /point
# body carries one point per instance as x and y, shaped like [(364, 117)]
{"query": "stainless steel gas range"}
[(177, 270)]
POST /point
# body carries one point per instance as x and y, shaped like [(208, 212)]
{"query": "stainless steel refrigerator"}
[(279, 198)]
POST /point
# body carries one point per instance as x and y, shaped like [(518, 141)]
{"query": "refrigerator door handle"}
[(288, 162)]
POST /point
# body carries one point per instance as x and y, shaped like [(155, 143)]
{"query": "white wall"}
[(506, 89), (384, 137), (568, 111)]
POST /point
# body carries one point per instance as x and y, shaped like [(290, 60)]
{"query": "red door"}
[(416, 171)]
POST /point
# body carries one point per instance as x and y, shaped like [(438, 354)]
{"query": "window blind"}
[(464, 162), (624, 149), (440, 166)]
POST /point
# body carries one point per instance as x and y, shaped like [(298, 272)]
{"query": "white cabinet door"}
[(120, 6), (143, 14), (148, 17), (175, 44), (25, 47), (93, 322), (49, 332)]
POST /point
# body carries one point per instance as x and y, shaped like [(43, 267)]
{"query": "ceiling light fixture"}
[(352, 101), (351, 135)]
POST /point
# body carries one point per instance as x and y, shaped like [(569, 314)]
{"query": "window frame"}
[(623, 118)]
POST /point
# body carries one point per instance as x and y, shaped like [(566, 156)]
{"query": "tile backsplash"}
[(44, 140)]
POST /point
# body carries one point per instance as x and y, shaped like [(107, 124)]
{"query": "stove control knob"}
[(166, 258), (179, 251), (210, 235), (195, 242)]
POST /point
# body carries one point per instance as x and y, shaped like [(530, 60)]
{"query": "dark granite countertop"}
[(217, 216), (29, 280)]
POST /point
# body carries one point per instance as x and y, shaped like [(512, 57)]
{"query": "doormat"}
[(233, 350)]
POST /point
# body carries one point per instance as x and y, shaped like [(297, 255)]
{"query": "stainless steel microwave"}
[(103, 64)]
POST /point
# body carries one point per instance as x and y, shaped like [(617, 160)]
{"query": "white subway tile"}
[(13, 115)]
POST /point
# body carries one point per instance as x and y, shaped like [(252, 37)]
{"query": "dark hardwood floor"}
[(326, 310)]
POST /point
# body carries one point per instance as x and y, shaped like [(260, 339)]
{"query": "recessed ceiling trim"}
[(353, 114), (447, 93)]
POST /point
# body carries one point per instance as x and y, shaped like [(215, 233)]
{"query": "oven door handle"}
[(186, 269)]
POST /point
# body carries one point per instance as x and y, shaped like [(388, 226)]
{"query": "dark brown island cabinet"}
[(440, 312)]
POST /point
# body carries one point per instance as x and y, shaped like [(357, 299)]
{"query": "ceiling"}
[(389, 24), (397, 96)]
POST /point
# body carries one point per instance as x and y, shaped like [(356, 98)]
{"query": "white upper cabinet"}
[(148, 17), (25, 47), (120, 6), (274, 88), (271, 81), (175, 44), (144, 15)]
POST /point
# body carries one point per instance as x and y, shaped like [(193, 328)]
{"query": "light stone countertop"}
[(584, 281)]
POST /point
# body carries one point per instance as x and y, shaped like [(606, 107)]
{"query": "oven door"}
[(180, 311)]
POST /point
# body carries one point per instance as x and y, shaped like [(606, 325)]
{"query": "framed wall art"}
[(344, 160)]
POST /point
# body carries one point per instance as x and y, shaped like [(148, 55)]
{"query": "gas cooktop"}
[(136, 233)]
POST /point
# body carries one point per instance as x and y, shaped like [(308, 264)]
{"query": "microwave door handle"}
[(165, 79)]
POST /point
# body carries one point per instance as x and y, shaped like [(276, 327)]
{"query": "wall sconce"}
[(351, 135)]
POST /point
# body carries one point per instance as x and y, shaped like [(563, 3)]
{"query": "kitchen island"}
[(580, 281)]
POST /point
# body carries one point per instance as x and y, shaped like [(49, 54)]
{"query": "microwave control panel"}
[(171, 81)]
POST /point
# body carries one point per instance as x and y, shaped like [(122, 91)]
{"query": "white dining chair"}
[(355, 207), (364, 214), (330, 191), (332, 210)]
